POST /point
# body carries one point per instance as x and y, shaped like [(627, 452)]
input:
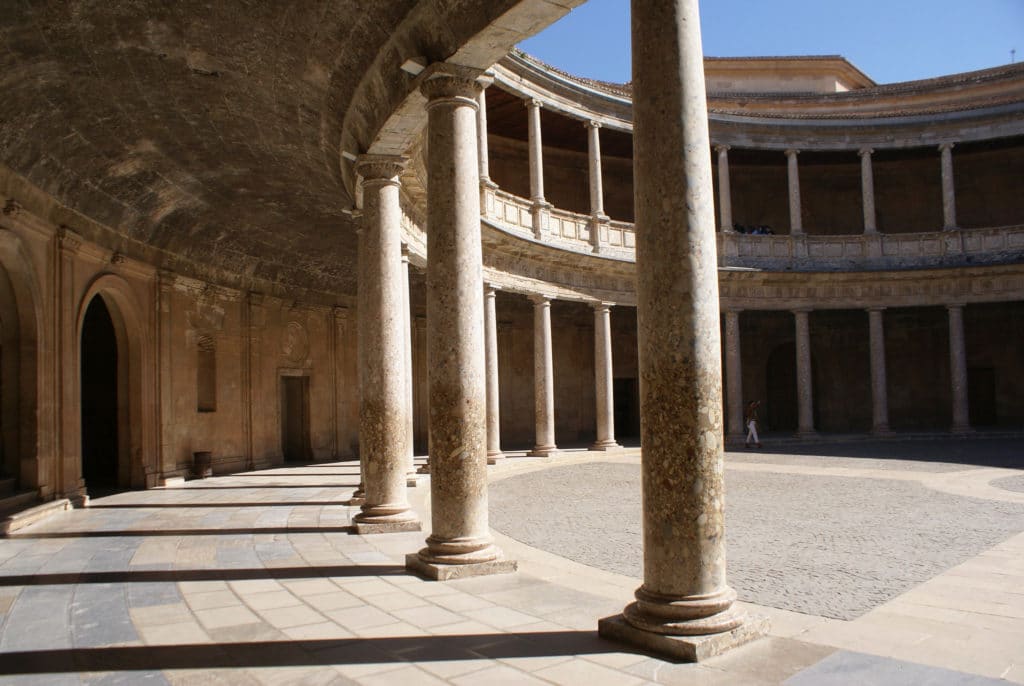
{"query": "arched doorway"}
[(104, 466)]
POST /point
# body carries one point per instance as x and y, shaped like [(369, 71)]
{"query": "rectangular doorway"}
[(295, 443)]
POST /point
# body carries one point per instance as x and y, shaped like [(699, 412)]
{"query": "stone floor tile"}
[(188, 632), (501, 617), (394, 630), (308, 587), (270, 600), (500, 675), (576, 671), (156, 615), (361, 617), (463, 628), (194, 587), (248, 586), (427, 616), (211, 600), (402, 675), (317, 632), (461, 602), (772, 659), (284, 617), (396, 600), (336, 600), (226, 616)]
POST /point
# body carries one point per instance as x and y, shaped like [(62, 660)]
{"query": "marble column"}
[(734, 375), (684, 607), (948, 189), (804, 378), (604, 377), (796, 222), (460, 543), (358, 496), (597, 216), (536, 149), (958, 368), (410, 428), (383, 406), (493, 389), (724, 189), (867, 186), (879, 386), (543, 378)]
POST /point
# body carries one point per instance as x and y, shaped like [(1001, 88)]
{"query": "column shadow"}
[(179, 575)]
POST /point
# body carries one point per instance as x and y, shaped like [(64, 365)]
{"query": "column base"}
[(443, 572), (495, 458), (682, 648), (806, 433), (412, 479), (961, 429), (882, 432), (543, 451), (364, 528), (424, 468), (357, 499), (605, 445)]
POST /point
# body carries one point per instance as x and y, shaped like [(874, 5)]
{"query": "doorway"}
[(981, 396), (780, 412), (101, 466), (626, 398), (295, 443)]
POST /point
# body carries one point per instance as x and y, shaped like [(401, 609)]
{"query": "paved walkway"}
[(256, 579)]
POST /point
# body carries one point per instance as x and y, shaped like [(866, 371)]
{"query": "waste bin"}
[(202, 462)]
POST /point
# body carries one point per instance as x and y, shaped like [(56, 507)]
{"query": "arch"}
[(21, 320), (136, 421)]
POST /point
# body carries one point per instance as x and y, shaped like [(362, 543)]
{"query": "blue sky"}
[(889, 40)]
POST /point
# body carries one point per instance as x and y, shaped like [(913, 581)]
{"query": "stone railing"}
[(559, 228), (572, 231)]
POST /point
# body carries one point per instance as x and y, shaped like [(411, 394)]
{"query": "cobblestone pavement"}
[(828, 546), (1010, 483)]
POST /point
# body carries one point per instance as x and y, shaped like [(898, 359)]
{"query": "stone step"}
[(31, 515)]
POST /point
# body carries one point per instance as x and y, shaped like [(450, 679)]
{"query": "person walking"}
[(751, 421)]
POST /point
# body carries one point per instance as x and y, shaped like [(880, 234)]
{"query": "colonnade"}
[(684, 590), (540, 206), (879, 387)]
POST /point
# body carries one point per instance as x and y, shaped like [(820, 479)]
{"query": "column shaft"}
[(879, 386), (867, 185), (958, 368), (493, 389), (597, 215), (481, 135), (410, 427), (383, 409), (948, 188), (460, 542), (543, 378), (536, 151), (734, 374), (796, 222), (804, 390), (724, 190), (684, 592), (604, 378)]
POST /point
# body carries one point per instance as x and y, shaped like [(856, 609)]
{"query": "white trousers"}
[(752, 432)]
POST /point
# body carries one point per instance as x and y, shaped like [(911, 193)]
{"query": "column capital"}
[(802, 310), (955, 306), (381, 168), (722, 148), (485, 80), (341, 314), (602, 305), (447, 82), (530, 103), (947, 145), (792, 152), (592, 124), (876, 308), (866, 152), (491, 289), (539, 299), (405, 253), (732, 310)]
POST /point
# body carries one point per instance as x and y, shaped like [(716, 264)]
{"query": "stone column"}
[(383, 405), (684, 607), (867, 186), (597, 215), (536, 146), (734, 375), (460, 543), (604, 377), (358, 496), (879, 387), (804, 385), (724, 190), (796, 222), (410, 426), (481, 133), (948, 189), (958, 368), (493, 389), (543, 378)]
